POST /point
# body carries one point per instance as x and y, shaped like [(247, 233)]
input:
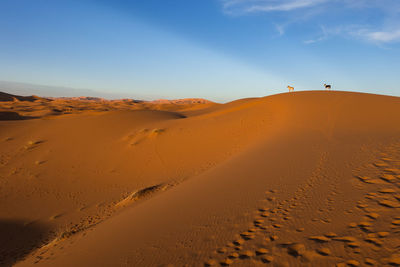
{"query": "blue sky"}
[(216, 49)]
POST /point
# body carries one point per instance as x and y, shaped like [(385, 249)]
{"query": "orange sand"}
[(300, 179)]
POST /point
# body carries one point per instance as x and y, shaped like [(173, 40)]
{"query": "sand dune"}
[(9, 97), (300, 179)]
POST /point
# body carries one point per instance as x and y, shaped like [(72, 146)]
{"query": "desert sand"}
[(296, 179)]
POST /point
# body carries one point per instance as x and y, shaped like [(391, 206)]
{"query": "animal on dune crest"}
[(291, 89), (327, 86)]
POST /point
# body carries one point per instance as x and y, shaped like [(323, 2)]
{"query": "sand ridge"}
[(13, 107)]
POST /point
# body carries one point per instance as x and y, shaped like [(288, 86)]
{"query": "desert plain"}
[(308, 178)]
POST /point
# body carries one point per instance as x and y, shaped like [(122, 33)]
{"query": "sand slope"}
[(308, 178)]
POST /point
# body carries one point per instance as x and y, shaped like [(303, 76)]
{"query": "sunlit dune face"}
[(282, 179)]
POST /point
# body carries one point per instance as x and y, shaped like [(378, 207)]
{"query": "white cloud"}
[(329, 32), (280, 29), (283, 6), (383, 36), (252, 6), (311, 41), (359, 32), (382, 28)]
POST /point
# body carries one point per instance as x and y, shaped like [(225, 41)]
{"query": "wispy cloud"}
[(383, 28), (357, 31), (283, 6), (381, 36), (280, 28), (253, 6), (323, 36), (329, 32)]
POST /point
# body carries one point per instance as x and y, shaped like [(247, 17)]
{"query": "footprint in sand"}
[(394, 260), (247, 235), (54, 217), (222, 250), (210, 263), (381, 164), (143, 134), (383, 234), (139, 194), (374, 241), (239, 242), (347, 239), (389, 204), (392, 170), (396, 222), (371, 262), (324, 251), (372, 215), (390, 178), (233, 255), (320, 239), (261, 243), (369, 180), (33, 144), (261, 251), (247, 254), (267, 258), (387, 191), (353, 263), (226, 262), (297, 249)]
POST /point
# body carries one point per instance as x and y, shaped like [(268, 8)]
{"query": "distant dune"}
[(9, 97), (182, 101), (51, 106), (296, 179), (19, 88)]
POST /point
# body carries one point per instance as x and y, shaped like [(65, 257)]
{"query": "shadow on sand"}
[(18, 239), (13, 116)]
